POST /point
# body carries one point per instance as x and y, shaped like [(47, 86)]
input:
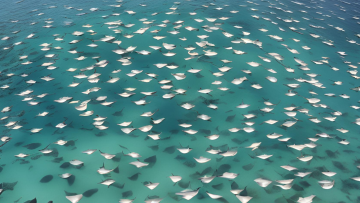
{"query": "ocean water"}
[(37, 175)]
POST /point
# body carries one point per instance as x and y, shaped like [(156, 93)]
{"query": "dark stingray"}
[(21, 114), (49, 125), (244, 192), (100, 134), (305, 184), (8, 186), (151, 160), (18, 144), (71, 179), (36, 157), (206, 171), (190, 164), (184, 184), (218, 186), (91, 192), (70, 143), (57, 160), (127, 194), (222, 200), (118, 185), (170, 150), (273, 189), (348, 151), (24, 162), (32, 146), (116, 170), (174, 131), (288, 176), (331, 154), (339, 166), (204, 131), (69, 193), (237, 141), (54, 153), (230, 118), (117, 157), (166, 138), (174, 196), (50, 107), (297, 187), (349, 185), (31, 201), (200, 195), (234, 185), (65, 165), (198, 75), (282, 200), (223, 168), (180, 157), (134, 177), (236, 160), (46, 179), (224, 132), (317, 174), (117, 113)]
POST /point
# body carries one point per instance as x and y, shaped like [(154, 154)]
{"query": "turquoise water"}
[(37, 175)]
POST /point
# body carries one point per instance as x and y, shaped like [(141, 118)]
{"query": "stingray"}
[(70, 143), (151, 160), (305, 184), (248, 167), (230, 118), (36, 157), (180, 157), (175, 131), (91, 192), (190, 164), (331, 154), (32, 146), (218, 186), (223, 168), (8, 186), (116, 170), (118, 113), (237, 141), (100, 134), (32, 201), (206, 171), (65, 165), (58, 160), (170, 150), (339, 166), (118, 185), (206, 132), (297, 187), (127, 194), (134, 177), (46, 179), (70, 180)]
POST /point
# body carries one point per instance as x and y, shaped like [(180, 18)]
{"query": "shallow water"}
[(36, 176)]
